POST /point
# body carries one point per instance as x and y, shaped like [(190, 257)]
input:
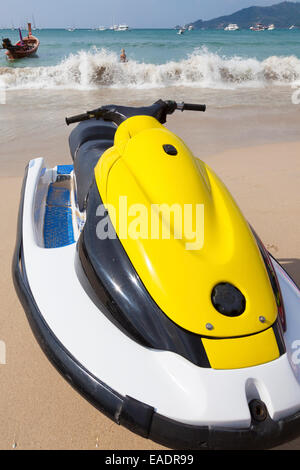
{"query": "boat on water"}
[(122, 27), (181, 30), (271, 27), (232, 27), (258, 27), (101, 28), (191, 28), (292, 27), (26, 47)]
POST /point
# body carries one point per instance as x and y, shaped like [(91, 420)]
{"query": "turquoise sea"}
[(89, 59)]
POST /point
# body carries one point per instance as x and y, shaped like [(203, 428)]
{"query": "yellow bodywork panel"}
[(237, 353), (209, 240)]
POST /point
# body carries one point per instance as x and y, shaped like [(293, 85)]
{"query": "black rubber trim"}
[(277, 328), (259, 436), (134, 415)]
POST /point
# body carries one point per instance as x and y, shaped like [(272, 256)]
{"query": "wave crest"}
[(101, 68)]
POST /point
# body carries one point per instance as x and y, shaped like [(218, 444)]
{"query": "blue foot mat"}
[(58, 224), (58, 197)]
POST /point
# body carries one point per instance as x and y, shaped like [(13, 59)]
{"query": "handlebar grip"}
[(78, 118), (194, 107)]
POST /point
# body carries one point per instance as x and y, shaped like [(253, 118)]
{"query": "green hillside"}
[(282, 15)]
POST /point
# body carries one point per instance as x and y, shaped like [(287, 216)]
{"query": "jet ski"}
[(190, 341)]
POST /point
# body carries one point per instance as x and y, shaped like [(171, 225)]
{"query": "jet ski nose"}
[(228, 300)]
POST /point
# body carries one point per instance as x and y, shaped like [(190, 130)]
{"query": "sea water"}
[(89, 59), (247, 80)]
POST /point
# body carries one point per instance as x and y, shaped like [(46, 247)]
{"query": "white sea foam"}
[(101, 68)]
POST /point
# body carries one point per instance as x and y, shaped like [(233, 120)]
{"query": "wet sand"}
[(33, 121), (38, 409)]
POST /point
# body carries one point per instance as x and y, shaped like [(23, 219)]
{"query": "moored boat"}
[(232, 27), (122, 27), (26, 47), (258, 27)]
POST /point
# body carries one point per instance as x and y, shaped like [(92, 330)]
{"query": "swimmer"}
[(123, 57)]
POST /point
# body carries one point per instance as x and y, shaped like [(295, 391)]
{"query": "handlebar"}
[(78, 118), (105, 113), (191, 107), (159, 110)]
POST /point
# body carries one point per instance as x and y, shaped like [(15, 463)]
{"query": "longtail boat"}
[(26, 47)]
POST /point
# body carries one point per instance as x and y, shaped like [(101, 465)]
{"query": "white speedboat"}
[(122, 27), (271, 27), (232, 27)]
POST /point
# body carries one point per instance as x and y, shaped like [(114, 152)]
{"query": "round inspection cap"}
[(170, 149), (228, 300)]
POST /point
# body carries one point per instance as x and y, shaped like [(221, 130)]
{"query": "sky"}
[(136, 13)]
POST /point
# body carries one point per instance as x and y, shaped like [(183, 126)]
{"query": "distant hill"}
[(282, 15)]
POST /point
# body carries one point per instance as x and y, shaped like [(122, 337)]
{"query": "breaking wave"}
[(101, 68)]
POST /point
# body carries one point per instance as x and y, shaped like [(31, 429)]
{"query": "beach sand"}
[(38, 409)]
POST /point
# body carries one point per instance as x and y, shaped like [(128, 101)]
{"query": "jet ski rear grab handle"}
[(110, 113)]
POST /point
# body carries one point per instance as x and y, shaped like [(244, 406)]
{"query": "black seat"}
[(90, 130), (88, 141)]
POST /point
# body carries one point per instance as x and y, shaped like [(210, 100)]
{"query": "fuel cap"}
[(170, 149), (228, 300)]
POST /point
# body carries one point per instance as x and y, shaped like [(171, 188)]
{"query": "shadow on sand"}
[(292, 267)]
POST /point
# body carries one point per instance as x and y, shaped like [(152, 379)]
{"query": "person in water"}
[(123, 57)]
